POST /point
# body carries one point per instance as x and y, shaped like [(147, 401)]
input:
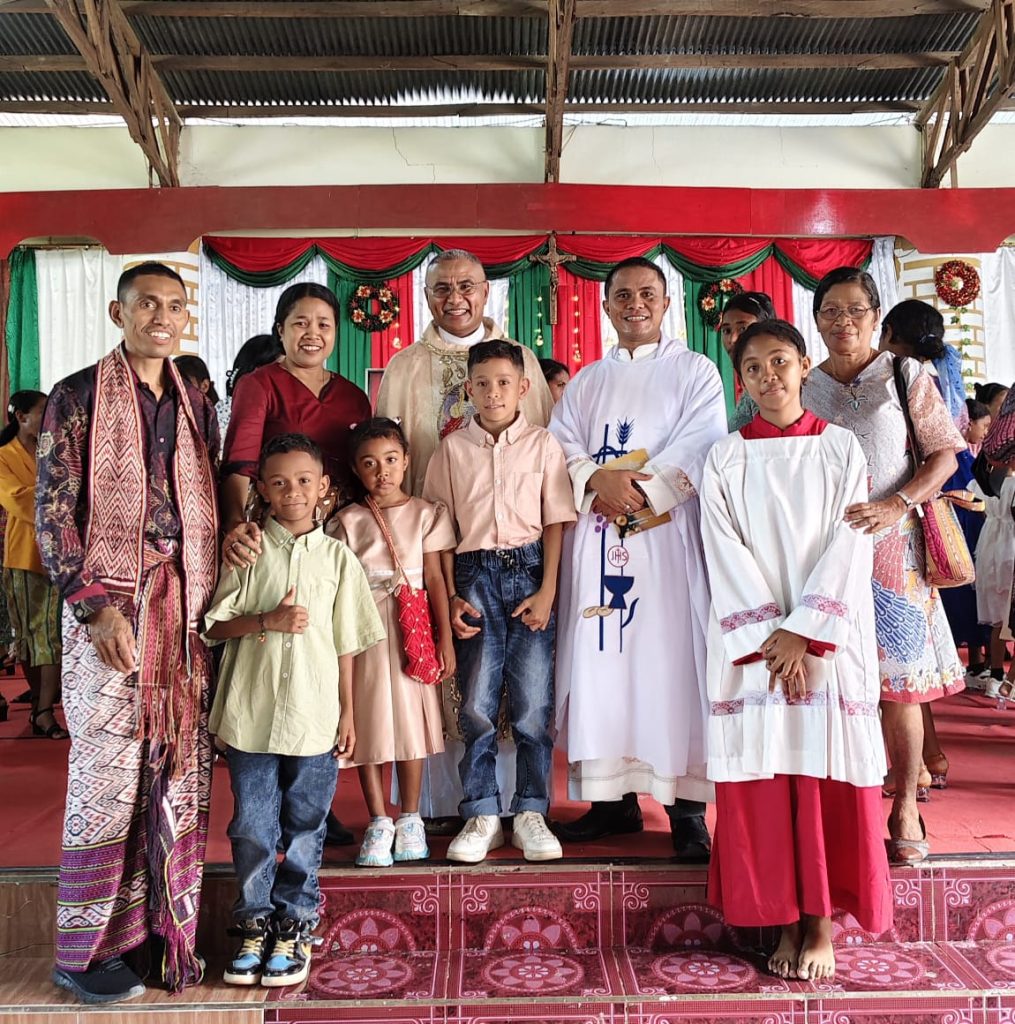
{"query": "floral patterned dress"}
[(917, 654)]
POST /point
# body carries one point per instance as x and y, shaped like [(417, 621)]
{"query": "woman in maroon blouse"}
[(297, 394)]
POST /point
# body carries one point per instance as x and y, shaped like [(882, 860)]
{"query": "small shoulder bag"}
[(414, 618), (948, 562)]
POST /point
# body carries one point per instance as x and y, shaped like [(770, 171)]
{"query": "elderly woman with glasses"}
[(855, 388)]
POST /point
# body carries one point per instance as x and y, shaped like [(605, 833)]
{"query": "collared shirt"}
[(281, 696), (806, 426), (158, 418), (637, 354), (500, 493)]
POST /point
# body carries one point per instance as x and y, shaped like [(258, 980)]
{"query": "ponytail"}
[(22, 402)]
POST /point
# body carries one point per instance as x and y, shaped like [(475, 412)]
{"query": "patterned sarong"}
[(135, 830)]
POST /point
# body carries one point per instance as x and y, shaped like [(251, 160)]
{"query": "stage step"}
[(631, 943)]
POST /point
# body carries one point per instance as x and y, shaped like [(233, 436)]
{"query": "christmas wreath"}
[(361, 307), (957, 283), (713, 296)]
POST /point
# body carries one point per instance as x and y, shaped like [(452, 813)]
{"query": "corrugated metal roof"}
[(40, 34)]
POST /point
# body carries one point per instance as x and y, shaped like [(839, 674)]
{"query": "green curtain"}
[(22, 333), (528, 319), (701, 339), (351, 356)]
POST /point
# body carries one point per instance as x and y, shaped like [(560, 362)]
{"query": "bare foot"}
[(817, 958), (782, 963)]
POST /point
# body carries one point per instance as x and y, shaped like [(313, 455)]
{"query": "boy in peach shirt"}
[(506, 485)]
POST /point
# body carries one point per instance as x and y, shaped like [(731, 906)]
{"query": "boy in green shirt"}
[(293, 622)]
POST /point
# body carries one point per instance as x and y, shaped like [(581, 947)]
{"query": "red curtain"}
[(814, 255), (820, 255), (384, 344), (772, 279), (577, 335)]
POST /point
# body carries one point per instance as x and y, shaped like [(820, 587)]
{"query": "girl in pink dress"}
[(397, 718)]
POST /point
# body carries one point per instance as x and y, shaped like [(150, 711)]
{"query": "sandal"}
[(923, 784), (54, 732), (920, 847), (938, 768)]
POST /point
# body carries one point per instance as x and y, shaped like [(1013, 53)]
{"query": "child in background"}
[(737, 315), (995, 559), (284, 708), (794, 743), (556, 377), (397, 718), (506, 486), (979, 424)]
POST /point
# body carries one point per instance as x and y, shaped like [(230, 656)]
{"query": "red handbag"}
[(414, 618)]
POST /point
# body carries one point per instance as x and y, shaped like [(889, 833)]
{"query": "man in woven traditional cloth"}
[(128, 530), (424, 387), (631, 705)]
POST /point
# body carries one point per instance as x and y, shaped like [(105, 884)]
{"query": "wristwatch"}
[(84, 610), (907, 500)]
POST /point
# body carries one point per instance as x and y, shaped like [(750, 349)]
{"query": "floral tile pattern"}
[(532, 974), (555, 909)]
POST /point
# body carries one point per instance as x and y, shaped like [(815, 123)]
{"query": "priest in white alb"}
[(631, 710)]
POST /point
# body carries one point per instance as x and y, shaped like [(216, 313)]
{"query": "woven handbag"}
[(414, 618), (948, 561)]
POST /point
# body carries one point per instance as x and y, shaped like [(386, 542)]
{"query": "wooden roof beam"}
[(976, 84), (117, 59), (562, 18), (527, 8)]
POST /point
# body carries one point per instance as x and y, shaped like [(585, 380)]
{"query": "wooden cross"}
[(553, 259)]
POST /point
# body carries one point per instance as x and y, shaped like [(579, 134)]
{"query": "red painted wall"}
[(164, 220)]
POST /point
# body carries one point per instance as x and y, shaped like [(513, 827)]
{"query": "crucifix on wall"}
[(553, 258)]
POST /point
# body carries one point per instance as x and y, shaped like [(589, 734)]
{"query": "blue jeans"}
[(276, 796), (505, 653)]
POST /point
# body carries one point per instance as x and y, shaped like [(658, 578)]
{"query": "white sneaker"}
[(976, 682), (993, 687), (480, 835), (531, 835)]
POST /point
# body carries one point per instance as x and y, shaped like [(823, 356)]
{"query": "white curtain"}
[(674, 322), (231, 312), (999, 315), (883, 271), (75, 289), (803, 305)]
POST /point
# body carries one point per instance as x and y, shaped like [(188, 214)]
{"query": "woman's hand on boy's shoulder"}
[(242, 545)]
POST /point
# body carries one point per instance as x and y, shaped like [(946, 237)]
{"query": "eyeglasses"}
[(445, 291), (832, 313)]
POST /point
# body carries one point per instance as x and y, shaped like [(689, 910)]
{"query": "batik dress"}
[(919, 662)]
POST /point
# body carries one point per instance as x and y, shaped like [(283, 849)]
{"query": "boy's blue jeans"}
[(277, 796), (505, 653)]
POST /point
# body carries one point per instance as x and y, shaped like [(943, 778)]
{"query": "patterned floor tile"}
[(709, 1011), (585, 1012), (974, 904), (532, 974), (417, 976), (940, 1010), (650, 974), (513, 910), (382, 911), (884, 967), (378, 1014), (984, 964)]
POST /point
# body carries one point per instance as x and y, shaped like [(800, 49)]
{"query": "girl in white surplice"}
[(794, 743)]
